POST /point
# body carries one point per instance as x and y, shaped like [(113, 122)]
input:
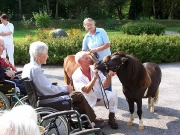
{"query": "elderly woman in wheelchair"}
[(50, 95), (8, 84)]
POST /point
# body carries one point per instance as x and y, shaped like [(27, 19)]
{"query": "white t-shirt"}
[(6, 28), (80, 80)]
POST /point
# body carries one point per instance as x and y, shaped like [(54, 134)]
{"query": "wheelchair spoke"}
[(4, 102), (57, 126)]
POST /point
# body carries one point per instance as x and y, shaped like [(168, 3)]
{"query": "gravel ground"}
[(165, 119)]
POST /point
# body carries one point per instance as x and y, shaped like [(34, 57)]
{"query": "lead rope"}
[(96, 56), (103, 94)]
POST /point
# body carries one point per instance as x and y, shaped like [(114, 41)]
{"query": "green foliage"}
[(26, 22), (42, 18), (44, 34), (82, 15), (143, 28), (74, 32), (59, 48), (22, 51), (152, 48)]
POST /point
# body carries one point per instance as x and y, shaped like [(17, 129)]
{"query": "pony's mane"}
[(93, 57), (137, 72)]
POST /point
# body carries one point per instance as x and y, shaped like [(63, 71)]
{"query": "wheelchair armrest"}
[(54, 83), (61, 113), (53, 96), (19, 72), (93, 130), (23, 79)]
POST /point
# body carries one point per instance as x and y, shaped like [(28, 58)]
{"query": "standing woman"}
[(6, 31), (96, 40)]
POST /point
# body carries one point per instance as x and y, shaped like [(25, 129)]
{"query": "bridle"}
[(115, 67)]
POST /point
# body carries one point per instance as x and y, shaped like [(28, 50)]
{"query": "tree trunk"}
[(119, 13), (57, 5), (48, 8), (20, 8), (154, 9)]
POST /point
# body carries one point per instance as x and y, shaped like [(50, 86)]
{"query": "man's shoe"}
[(99, 124), (112, 121)]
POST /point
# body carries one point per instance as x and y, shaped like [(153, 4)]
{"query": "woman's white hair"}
[(21, 120), (79, 55), (36, 48), (88, 20)]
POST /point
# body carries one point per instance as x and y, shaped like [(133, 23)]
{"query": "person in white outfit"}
[(6, 32), (87, 80)]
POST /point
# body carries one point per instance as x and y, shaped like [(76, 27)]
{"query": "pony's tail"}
[(156, 96), (66, 77)]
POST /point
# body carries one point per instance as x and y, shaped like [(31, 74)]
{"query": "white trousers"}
[(10, 53), (113, 101)]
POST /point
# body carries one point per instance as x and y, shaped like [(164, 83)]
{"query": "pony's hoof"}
[(129, 123), (141, 127), (148, 107), (152, 110)]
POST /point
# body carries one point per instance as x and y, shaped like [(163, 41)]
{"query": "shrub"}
[(74, 32), (44, 34), (26, 22), (152, 48), (42, 18), (143, 28)]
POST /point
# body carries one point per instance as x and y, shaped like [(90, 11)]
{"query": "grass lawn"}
[(20, 34), (174, 28)]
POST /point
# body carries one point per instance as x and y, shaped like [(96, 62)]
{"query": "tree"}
[(47, 5), (20, 7), (57, 5), (135, 9), (171, 7), (116, 6)]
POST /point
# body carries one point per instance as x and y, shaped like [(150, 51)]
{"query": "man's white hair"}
[(36, 48), (21, 120), (79, 55)]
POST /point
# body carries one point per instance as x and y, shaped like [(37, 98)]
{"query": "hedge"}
[(152, 48)]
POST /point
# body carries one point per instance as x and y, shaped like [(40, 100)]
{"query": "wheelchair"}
[(64, 121), (8, 94)]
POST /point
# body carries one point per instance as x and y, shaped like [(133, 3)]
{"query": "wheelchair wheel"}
[(4, 102), (22, 101), (56, 125)]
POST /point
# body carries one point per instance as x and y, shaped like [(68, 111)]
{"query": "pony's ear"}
[(123, 59)]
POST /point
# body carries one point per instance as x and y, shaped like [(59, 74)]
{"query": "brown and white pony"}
[(70, 66), (138, 80)]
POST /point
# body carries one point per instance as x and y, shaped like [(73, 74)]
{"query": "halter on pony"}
[(114, 68)]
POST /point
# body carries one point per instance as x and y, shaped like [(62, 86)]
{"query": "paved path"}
[(165, 120)]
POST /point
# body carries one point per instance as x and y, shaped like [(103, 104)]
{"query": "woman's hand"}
[(10, 74), (94, 50)]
